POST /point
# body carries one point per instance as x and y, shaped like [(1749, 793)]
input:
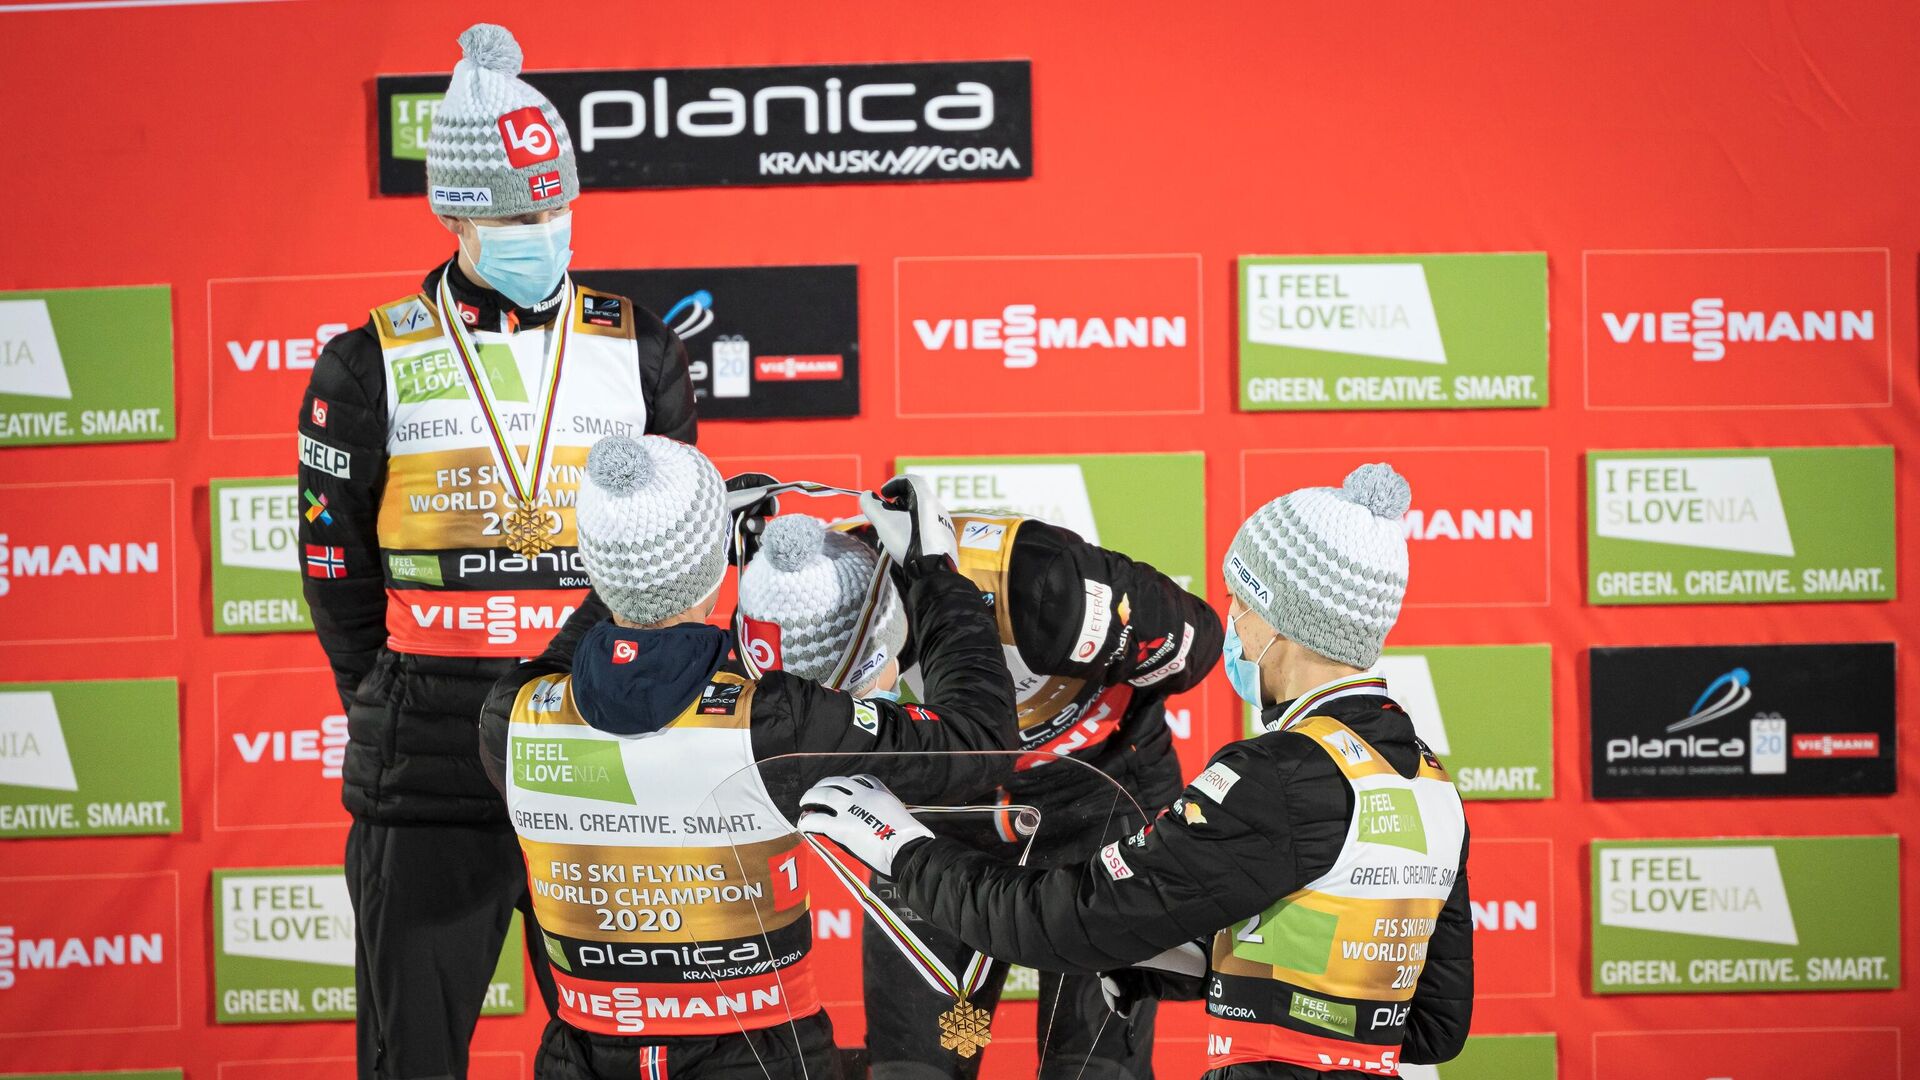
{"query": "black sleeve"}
[(1156, 633), (968, 704), (494, 718), (1442, 1007), (665, 379), (1181, 878), (343, 459)]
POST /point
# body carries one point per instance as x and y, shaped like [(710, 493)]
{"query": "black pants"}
[(802, 1050), (431, 904), (1077, 1035)]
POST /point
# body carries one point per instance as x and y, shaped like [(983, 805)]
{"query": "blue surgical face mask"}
[(884, 695), (1242, 673), (524, 262)]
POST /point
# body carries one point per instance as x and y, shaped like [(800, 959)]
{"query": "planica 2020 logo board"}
[(702, 127), (1717, 720)]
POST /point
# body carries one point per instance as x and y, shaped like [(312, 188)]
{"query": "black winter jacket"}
[(1151, 617), (1279, 828), (411, 752)]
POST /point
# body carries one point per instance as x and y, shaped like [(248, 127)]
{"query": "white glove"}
[(909, 520), (862, 816)]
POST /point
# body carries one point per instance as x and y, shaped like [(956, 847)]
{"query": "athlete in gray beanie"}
[(501, 173), (1321, 567)]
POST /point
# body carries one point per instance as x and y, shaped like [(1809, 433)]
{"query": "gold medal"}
[(525, 527), (965, 1029)]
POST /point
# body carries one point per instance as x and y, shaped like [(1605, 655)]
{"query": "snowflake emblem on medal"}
[(965, 1029)]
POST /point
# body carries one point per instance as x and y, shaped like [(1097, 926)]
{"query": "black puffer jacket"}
[(410, 758), (1281, 825)]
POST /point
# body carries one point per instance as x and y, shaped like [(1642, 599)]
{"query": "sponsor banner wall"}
[(89, 758), (1740, 526), (86, 366), (87, 560), (1699, 720), (279, 743), (1393, 332), (701, 127), (1513, 895), (89, 954), (1717, 916), (1142, 504), (235, 188), (1047, 335), (762, 341), (1737, 329), (283, 949), (256, 553), (117, 1074)]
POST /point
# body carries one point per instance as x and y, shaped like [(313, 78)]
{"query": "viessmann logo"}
[(112, 557), (23, 953), (1020, 333), (1719, 329), (1708, 327), (502, 617), (325, 745), (1041, 335)]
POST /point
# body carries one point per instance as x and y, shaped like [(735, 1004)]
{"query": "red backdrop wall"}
[(181, 145)]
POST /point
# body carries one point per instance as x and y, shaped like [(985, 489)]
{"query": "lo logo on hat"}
[(762, 640), (527, 138)]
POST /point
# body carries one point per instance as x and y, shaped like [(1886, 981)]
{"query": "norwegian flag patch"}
[(326, 562)]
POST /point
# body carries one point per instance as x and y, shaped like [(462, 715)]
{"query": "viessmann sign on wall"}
[(701, 127)]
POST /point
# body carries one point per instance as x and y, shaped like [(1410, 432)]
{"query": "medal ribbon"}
[(895, 929), (1351, 686), (525, 478)]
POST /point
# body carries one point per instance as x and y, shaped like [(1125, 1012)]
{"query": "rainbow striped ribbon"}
[(526, 477)]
